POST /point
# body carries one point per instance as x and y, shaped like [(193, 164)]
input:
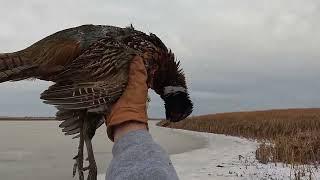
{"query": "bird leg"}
[(92, 163), (79, 157)]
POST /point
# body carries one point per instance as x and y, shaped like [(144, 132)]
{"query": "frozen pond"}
[(39, 150)]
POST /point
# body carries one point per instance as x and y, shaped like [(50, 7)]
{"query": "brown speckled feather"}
[(93, 81)]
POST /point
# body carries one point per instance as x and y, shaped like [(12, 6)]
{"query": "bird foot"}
[(86, 168), (78, 165), (92, 172)]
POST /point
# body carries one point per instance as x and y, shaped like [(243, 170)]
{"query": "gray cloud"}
[(237, 55)]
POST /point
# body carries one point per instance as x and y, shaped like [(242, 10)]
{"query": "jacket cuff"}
[(128, 114)]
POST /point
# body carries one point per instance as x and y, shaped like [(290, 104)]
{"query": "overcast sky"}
[(237, 55)]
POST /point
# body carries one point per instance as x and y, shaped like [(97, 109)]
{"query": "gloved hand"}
[(131, 106)]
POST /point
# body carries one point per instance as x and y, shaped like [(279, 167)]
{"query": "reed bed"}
[(291, 136)]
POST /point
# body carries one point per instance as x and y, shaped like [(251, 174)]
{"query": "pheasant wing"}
[(94, 80)]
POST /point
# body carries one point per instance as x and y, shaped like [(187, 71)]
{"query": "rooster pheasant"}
[(89, 65)]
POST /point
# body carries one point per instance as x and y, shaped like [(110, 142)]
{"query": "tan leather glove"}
[(131, 106)]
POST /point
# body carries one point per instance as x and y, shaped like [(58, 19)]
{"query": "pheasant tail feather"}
[(15, 67)]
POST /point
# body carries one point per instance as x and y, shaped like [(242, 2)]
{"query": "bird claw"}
[(86, 168), (92, 172), (77, 166), (75, 157), (74, 171)]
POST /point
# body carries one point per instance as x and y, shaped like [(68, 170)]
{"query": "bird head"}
[(165, 76), (168, 80)]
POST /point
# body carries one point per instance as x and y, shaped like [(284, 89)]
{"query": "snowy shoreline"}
[(226, 158)]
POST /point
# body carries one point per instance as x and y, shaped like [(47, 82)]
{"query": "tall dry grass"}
[(291, 136)]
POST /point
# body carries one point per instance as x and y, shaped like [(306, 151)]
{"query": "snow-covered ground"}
[(226, 158)]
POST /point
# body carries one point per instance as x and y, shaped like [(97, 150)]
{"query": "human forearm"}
[(127, 127), (137, 157)]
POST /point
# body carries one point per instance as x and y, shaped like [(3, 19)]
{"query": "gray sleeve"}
[(137, 157)]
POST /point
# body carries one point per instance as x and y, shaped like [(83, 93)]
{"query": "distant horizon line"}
[(52, 118), (40, 118)]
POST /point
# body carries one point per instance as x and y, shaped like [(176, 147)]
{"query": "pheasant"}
[(89, 66)]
